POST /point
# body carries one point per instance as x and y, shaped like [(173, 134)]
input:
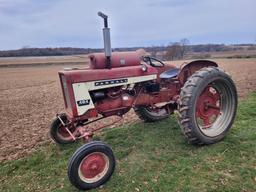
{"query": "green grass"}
[(151, 157)]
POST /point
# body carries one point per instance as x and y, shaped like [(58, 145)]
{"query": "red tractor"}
[(203, 95)]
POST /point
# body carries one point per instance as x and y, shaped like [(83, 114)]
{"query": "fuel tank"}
[(118, 59)]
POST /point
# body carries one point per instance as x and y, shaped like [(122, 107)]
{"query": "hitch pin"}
[(73, 137)]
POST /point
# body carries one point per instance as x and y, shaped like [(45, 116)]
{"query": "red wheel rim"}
[(63, 133), (208, 107), (93, 167)]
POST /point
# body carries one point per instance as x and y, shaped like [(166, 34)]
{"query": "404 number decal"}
[(83, 102)]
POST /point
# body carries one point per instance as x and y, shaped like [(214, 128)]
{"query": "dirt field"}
[(43, 60), (31, 96)]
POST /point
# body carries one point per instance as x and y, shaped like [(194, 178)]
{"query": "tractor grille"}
[(65, 92)]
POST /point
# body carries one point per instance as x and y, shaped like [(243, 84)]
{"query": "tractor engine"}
[(116, 100)]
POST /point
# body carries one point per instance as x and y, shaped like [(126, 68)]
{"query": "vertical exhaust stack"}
[(106, 37)]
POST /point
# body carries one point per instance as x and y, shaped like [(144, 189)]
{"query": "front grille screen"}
[(65, 91)]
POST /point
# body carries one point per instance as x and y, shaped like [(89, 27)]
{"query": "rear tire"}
[(91, 165), (207, 106), (148, 115)]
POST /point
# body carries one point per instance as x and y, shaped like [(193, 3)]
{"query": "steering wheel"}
[(152, 61)]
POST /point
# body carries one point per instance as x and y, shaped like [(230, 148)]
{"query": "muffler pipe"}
[(106, 38)]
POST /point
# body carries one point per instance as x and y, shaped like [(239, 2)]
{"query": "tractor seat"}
[(169, 73)]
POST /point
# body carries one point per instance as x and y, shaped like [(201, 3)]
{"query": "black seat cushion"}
[(169, 73)]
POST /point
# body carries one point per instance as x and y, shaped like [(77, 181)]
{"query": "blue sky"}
[(74, 23)]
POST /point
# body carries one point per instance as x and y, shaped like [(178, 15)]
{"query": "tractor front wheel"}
[(207, 106), (91, 165), (59, 133)]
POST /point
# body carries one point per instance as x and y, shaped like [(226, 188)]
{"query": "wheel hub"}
[(208, 107), (64, 133), (93, 166)]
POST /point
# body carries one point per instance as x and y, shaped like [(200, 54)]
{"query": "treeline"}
[(47, 52), (214, 48), (182, 50), (177, 49)]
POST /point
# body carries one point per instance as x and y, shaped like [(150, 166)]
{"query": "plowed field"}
[(31, 96)]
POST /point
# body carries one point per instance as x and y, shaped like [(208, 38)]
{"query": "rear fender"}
[(188, 69)]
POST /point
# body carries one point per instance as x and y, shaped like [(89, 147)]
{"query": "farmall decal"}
[(110, 82)]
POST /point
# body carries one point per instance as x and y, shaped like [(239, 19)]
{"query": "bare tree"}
[(153, 51), (176, 50), (184, 44)]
